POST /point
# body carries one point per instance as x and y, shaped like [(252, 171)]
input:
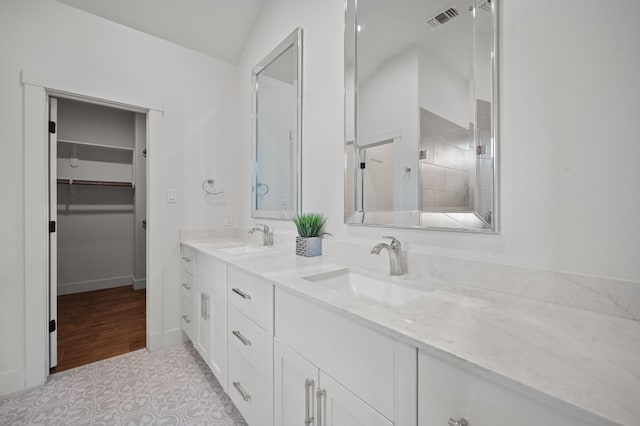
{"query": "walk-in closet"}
[(98, 241)]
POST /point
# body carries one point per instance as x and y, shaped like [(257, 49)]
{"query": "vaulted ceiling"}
[(219, 28)]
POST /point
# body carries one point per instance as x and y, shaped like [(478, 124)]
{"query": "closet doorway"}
[(98, 202)]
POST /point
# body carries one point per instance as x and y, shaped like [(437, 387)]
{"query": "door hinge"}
[(363, 165), (52, 127), (52, 326), (52, 226)]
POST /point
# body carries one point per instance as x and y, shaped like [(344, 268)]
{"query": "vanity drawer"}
[(249, 391), (252, 296), (361, 359), (186, 284), (447, 391), (254, 343), (188, 259), (187, 318)]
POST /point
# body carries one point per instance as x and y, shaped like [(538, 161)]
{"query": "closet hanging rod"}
[(95, 183)]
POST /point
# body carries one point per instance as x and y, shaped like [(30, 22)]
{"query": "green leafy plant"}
[(310, 225)]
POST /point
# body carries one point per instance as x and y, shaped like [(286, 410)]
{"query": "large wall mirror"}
[(277, 139), (421, 114)]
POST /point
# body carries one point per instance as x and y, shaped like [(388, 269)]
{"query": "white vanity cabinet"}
[(187, 284), (285, 359), (362, 376), (204, 308), (449, 393), (304, 394), (211, 335), (250, 340)]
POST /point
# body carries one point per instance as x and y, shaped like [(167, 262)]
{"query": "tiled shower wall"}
[(448, 164)]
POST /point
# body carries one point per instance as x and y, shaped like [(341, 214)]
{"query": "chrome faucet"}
[(395, 255), (267, 233)]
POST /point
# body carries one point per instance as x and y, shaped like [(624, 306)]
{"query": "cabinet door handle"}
[(320, 398), (187, 286), (208, 306), (186, 319), (201, 305), (461, 422), (308, 409), (186, 259), (241, 391), (241, 293), (240, 337)]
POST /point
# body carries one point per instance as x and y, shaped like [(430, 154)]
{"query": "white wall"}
[(199, 118), (570, 183)]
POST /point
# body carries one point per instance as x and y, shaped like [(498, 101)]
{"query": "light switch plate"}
[(172, 195)]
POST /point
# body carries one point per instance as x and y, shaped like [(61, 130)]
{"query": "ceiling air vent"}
[(443, 17)]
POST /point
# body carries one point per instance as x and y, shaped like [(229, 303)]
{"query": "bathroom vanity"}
[(317, 342)]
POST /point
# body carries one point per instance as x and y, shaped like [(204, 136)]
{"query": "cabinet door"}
[(202, 323), (218, 331), (339, 407), (295, 383), (447, 391)]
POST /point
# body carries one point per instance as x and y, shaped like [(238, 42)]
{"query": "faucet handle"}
[(260, 227), (395, 243)]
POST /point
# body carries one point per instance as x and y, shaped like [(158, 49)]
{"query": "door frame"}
[(38, 87)]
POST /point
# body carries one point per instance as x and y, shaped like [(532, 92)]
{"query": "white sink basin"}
[(245, 249), (364, 286)]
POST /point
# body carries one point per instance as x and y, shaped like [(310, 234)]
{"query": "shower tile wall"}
[(448, 165)]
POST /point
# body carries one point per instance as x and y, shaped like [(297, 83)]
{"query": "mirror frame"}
[(294, 41), (357, 218)]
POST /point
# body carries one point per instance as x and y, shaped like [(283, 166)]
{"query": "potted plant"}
[(309, 239)]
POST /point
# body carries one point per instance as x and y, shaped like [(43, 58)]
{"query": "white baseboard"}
[(81, 287), (139, 284), (12, 381), (172, 337), (154, 341)]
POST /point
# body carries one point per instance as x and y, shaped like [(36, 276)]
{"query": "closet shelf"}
[(88, 182), (96, 145)]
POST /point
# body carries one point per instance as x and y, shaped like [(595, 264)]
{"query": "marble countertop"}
[(562, 355)]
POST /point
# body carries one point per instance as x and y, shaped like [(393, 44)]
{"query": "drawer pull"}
[(461, 422), (187, 259), (241, 293), (240, 337), (187, 286), (186, 319), (241, 391), (308, 410)]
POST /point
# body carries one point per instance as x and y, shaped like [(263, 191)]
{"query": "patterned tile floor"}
[(168, 387)]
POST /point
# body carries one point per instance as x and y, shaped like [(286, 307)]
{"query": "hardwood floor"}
[(99, 324)]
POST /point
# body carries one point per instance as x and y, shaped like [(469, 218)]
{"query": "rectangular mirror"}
[(421, 114), (277, 139)]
